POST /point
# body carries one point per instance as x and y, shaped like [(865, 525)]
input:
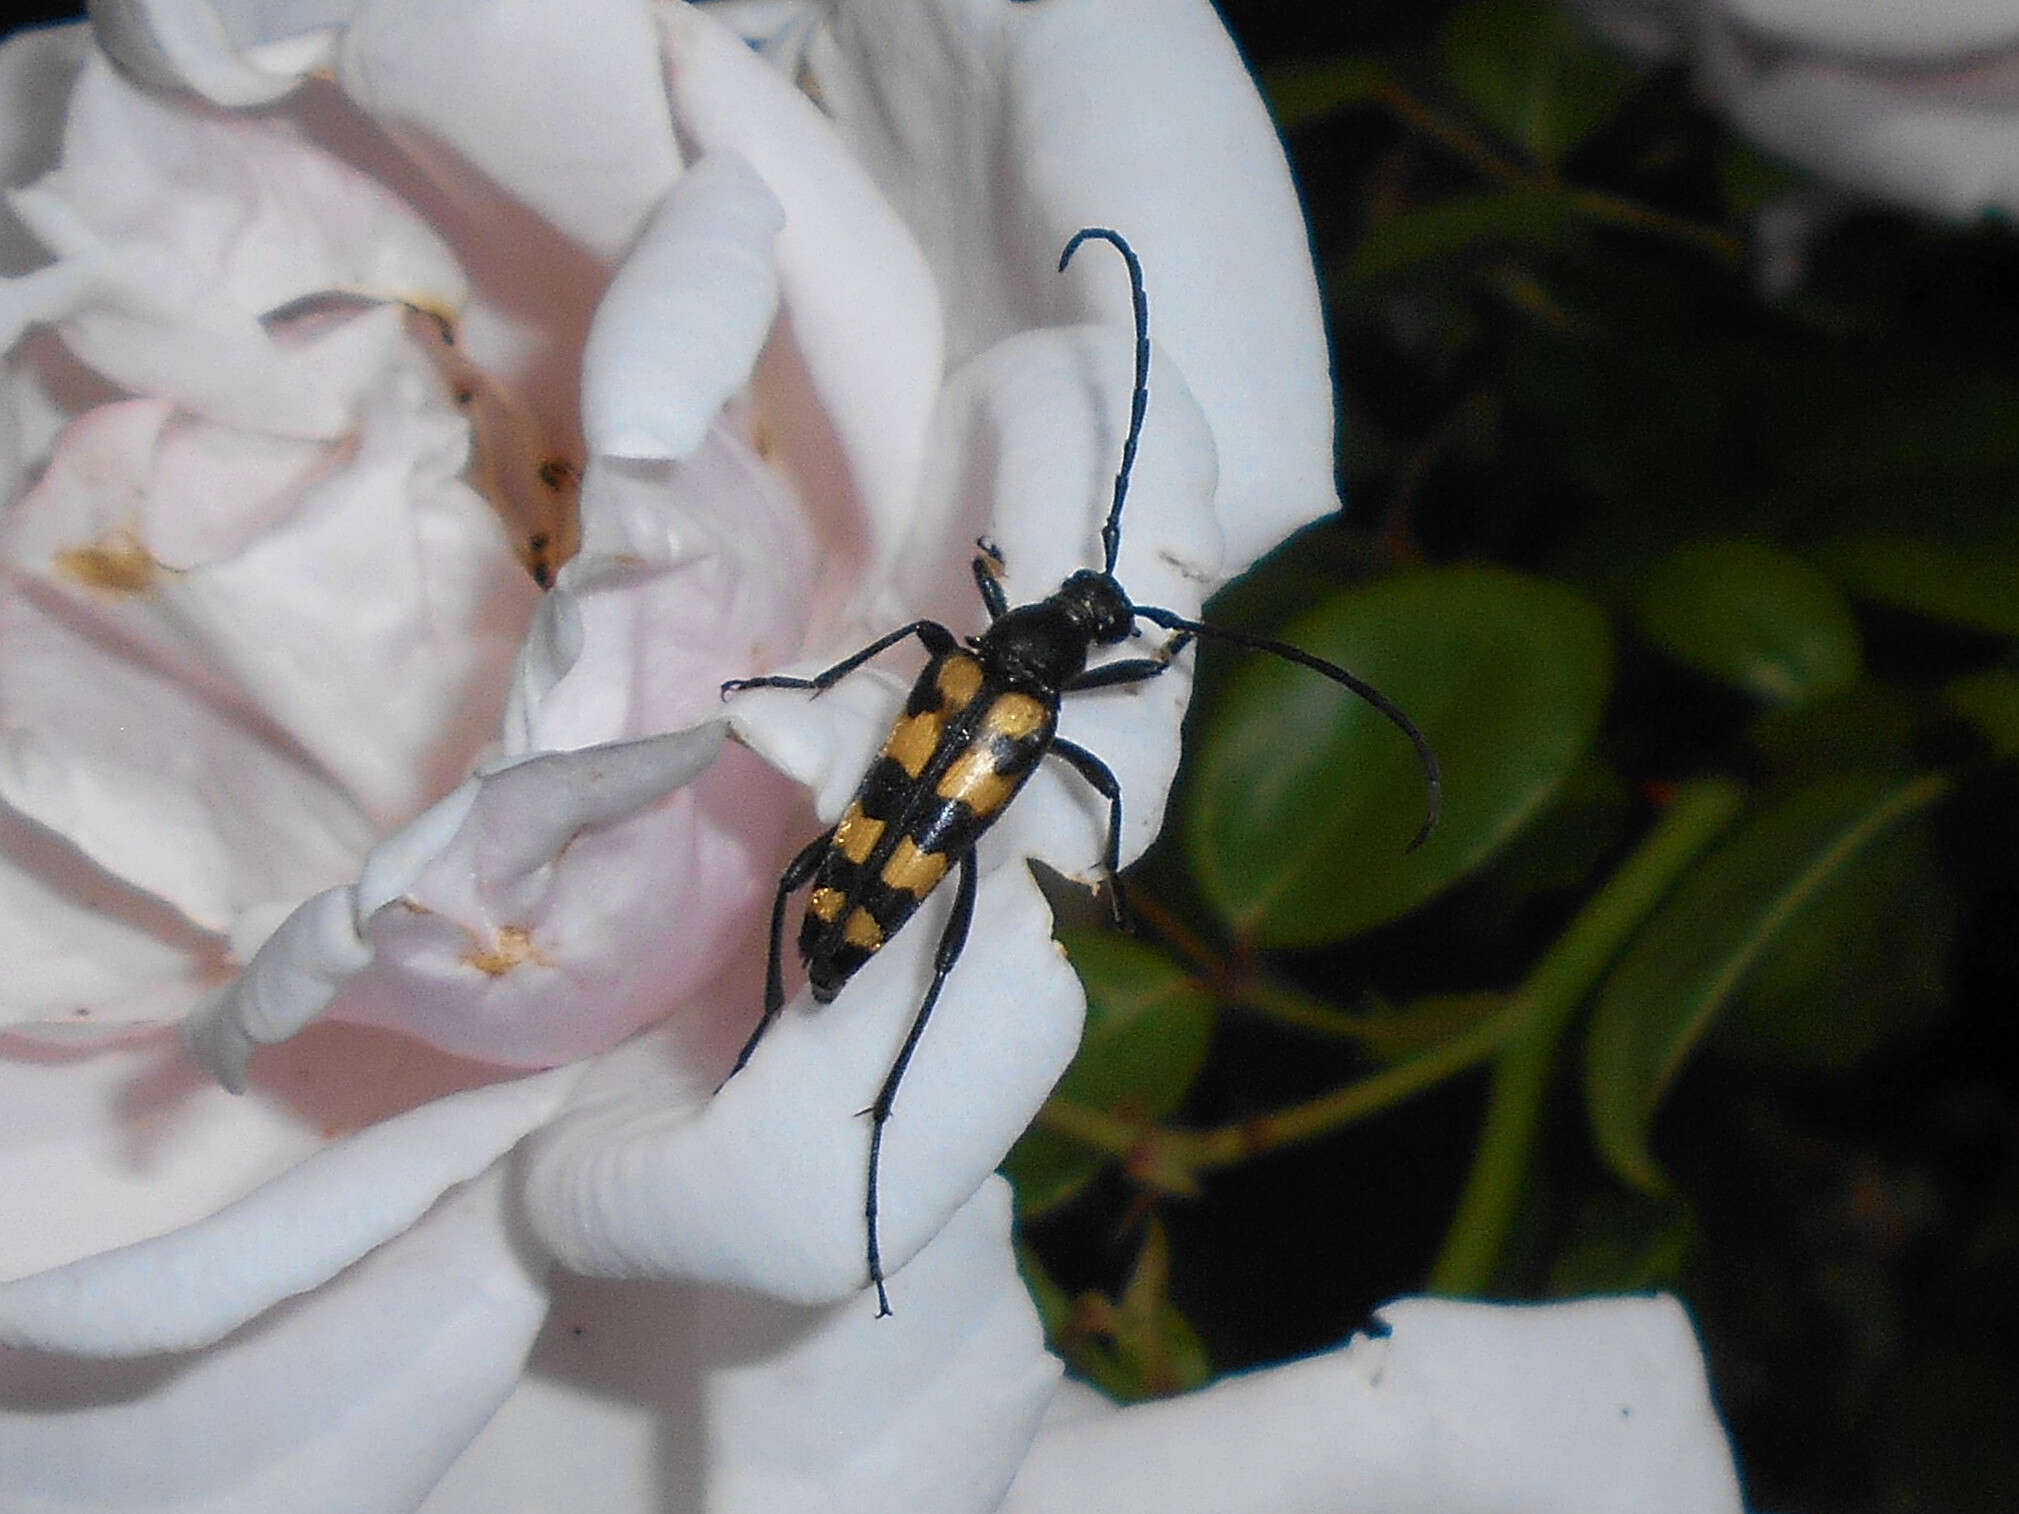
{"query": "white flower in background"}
[(312, 341), (1913, 104)]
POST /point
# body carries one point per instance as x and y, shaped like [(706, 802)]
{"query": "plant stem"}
[(1552, 993)]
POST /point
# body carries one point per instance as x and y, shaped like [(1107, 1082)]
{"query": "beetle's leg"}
[(988, 571), (797, 872), (951, 940), (937, 639), (1131, 669), (1102, 777)]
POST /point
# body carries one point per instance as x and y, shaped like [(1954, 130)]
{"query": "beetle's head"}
[(1098, 603)]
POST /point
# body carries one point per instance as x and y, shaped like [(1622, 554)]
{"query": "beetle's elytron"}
[(981, 717)]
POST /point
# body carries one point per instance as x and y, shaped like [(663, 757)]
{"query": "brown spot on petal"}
[(512, 947), (117, 563)]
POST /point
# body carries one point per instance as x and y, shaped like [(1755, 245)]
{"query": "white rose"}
[(299, 768), (1913, 104)]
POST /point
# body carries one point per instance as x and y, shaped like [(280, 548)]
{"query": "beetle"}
[(981, 717)]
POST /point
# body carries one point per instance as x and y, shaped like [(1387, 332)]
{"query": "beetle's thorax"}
[(1043, 646)]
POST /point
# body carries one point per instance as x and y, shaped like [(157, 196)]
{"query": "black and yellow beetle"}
[(978, 721)]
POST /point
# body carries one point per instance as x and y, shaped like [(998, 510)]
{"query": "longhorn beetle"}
[(981, 717)]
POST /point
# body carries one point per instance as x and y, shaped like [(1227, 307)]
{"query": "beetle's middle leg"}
[(951, 940), (937, 638)]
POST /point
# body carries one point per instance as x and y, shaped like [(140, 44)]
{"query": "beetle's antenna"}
[(1433, 776), (1139, 402)]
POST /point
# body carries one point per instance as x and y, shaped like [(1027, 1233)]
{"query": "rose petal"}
[(156, 784), (560, 104), (1594, 1406), (192, 1285), (681, 324), (999, 130), (645, 1398), (762, 1185), (1930, 30), (88, 956), (1876, 134), (232, 53), (862, 312), (37, 69), (352, 1401), (179, 229)]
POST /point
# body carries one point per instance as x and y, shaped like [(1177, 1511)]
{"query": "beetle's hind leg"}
[(951, 940), (937, 639), (1102, 778), (801, 868)]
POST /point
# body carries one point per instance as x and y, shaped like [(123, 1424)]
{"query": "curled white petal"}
[(862, 312), (1598, 1406), (213, 49), (639, 1398), (191, 1287), (351, 1401), (290, 980), (559, 104), (1019, 124), (679, 329), (761, 1186)]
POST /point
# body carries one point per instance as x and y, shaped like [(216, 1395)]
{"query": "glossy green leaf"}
[(1401, 244), (1148, 1025), (1532, 73), (1866, 964), (1758, 888), (1976, 587), (1751, 615), (1303, 798)]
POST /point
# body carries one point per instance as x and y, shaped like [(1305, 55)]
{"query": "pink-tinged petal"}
[(180, 228), (1929, 31), (87, 955), (848, 395), (504, 922), (230, 52), (37, 69), (1596, 1406), (761, 1187), (561, 105), (690, 573), (190, 1287), (393, 703), (559, 920), (681, 325), (999, 130), (352, 1400), (155, 783), (640, 1398)]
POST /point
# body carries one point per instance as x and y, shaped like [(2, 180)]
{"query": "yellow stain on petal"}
[(512, 947), (117, 563)]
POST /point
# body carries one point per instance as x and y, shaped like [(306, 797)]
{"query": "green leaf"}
[(1147, 1029), (1304, 798), (1758, 888), (1531, 73), (1976, 587), (1400, 244), (1751, 615)]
